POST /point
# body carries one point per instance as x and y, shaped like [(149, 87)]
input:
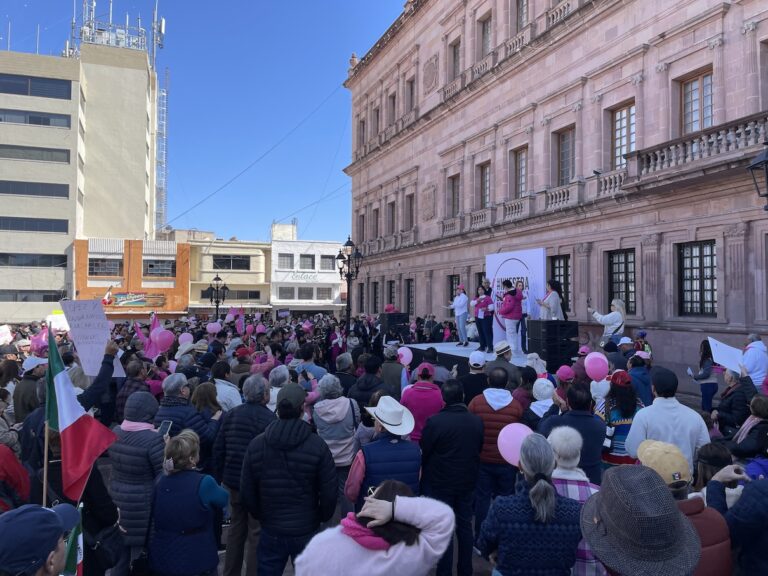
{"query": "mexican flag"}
[(83, 439), (74, 565)]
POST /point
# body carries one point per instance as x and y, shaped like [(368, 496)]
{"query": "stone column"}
[(581, 293), (752, 70), (650, 276), (637, 82), (399, 301), (578, 157), (545, 171), (427, 290), (662, 89), (718, 81), (598, 151), (734, 300), (468, 185)]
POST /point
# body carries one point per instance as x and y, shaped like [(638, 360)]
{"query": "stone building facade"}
[(615, 134)]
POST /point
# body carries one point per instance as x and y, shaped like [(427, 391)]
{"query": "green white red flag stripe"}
[(74, 565), (83, 439)]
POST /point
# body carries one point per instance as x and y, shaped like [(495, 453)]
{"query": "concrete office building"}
[(613, 133), (77, 159), (305, 279)]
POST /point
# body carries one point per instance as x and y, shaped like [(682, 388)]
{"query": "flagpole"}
[(45, 467)]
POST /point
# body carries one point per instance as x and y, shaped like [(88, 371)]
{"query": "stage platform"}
[(449, 353)]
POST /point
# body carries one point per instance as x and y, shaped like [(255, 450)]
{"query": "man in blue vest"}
[(388, 458)]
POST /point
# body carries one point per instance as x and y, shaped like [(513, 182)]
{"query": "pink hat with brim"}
[(643, 354)]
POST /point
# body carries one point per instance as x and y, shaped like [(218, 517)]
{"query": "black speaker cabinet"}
[(552, 330)]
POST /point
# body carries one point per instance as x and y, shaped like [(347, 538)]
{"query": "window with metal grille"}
[(453, 284), (32, 295), (566, 156), (327, 262), (163, 268), (306, 293), (486, 29), (621, 278), (697, 103), (105, 266), (13, 187), (35, 86), (623, 135), (33, 260), (560, 270), (306, 262), (225, 262), (12, 152), (286, 292), (484, 172), (472, 290), (454, 195), (325, 293), (285, 261), (375, 297), (390, 292), (697, 278), (391, 218), (518, 172), (410, 297), (522, 14)]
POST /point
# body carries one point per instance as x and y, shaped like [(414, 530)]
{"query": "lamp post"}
[(349, 260), (218, 291), (759, 170)]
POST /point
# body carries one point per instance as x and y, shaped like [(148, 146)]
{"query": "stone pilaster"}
[(581, 293), (662, 89), (735, 283), (718, 80), (649, 297), (752, 70), (639, 84), (427, 289)]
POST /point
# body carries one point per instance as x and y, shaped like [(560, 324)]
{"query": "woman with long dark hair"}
[(618, 410), (553, 304), (706, 376), (393, 533)]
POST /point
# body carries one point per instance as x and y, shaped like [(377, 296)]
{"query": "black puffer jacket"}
[(137, 460), (366, 386), (183, 415), (238, 427), (734, 403), (289, 479)]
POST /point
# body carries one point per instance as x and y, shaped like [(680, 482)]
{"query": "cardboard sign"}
[(89, 329), (6, 337), (725, 355)]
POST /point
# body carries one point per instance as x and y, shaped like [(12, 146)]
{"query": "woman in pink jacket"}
[(511, 312), (484, 319)]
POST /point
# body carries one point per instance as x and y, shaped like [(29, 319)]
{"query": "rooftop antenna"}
[(9, 35), (110, 13)]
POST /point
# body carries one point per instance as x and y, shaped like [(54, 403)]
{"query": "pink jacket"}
[(423, 399), (333, 552), (482, 303), (512, 306)]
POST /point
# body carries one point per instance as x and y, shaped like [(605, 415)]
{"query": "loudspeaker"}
[(555, 354), (393, 320), (552, 330)]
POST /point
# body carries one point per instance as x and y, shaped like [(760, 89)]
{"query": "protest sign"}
[(89, 329), (725, 355), (6, 337)]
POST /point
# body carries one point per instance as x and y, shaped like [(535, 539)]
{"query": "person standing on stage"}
[(511, 311), (484, 319), (553, 307), (460, 307)]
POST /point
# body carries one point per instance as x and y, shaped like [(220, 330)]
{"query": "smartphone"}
[(165, 427)]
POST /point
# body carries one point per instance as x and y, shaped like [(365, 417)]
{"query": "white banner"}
[(527, 266), (89, 329)]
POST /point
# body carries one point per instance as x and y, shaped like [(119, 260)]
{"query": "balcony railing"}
[(389, 243), (450, 226), (481, 218), (708, 144), (409, 118), (559, 198), (388, 134), (609, 183), (373, 144), (453, 87), (517, 209), (560, 12), (483, 66), (517, 42), (407, 238)]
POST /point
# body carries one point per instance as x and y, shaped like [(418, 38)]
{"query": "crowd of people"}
[(297, 440)]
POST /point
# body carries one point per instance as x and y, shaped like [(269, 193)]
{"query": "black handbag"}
[(108, 545)]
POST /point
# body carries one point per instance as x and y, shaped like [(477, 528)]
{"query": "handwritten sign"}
[(725, 355), (6, 337), (89, 329)]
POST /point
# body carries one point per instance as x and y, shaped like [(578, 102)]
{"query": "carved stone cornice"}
[(737, 231), (651, 240), (749, 27), (577, 106), (596, 98), (715, 42), (662, 66), (637, 79), (584, 249)]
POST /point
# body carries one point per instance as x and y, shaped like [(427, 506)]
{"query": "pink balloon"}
[(213, 328), (186, 337), (228, 318), (405, 356), (510, 439), (164, 340), (261, 329), (155, 334), (596, 365), (249, 329)]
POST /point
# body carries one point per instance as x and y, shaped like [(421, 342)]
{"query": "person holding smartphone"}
[(137, 460)]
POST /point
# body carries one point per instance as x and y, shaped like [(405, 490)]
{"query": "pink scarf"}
[(749, 423), (362, 534), (129, 426)]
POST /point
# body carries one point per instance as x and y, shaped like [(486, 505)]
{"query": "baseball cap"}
[(625, 340), (33, 362), (425, 366), (242, 352), (477, 359), (8, 349), (501, 348), (584, 350), (565, 374), (293, 393), (666, 459), (31, 533)]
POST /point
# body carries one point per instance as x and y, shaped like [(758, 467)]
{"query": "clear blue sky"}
[(243, 73)]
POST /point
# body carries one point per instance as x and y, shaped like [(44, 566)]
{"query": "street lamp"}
[(218, 292), (759, 170), (348, 261)]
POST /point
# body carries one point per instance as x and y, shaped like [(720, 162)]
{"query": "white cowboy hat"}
[(395, 417), (185, 348)]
